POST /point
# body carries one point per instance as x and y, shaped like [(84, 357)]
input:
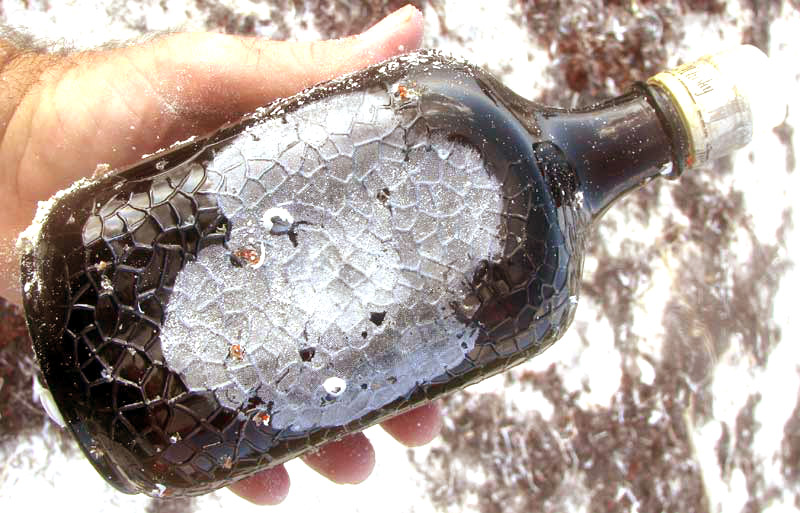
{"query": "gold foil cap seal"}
[(724, 99)]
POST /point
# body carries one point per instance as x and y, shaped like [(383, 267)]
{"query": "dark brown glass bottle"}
[(330, 261)]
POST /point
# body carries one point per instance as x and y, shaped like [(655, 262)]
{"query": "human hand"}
[(62, 115)]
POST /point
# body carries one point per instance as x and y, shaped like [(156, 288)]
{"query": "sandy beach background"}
[(678, 386)]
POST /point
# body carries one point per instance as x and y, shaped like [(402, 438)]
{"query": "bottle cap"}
[(724, 99)]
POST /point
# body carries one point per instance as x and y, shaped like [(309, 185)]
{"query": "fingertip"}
[(397, 33), (416, 427), (207, 77), (267, 488), (348, 461)]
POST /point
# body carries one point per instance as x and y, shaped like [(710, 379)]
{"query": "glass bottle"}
[(339, 257)]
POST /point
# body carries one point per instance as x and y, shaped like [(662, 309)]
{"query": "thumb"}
[(113, 106), (211, 78)]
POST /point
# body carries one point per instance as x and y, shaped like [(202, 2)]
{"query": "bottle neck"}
[(619, 145)]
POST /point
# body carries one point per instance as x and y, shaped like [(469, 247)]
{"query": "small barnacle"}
[(406, 92), (262, 418), (401, 92), (236, 351), (248, 256), (227, 463), (277, 220)]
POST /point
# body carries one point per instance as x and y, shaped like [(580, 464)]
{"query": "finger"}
[(114, 106), (416, 427), (218, 72), (349, 460), (268, 487)]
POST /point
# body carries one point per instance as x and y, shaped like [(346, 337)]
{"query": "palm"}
[(110, 108)]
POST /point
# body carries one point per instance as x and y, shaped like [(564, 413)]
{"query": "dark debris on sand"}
[(636, 452), (601, 47), (18, 411)]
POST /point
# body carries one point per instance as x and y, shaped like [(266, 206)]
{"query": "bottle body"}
[(337, 258)]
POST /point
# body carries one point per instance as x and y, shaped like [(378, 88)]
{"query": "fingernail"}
[(391, 23)]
